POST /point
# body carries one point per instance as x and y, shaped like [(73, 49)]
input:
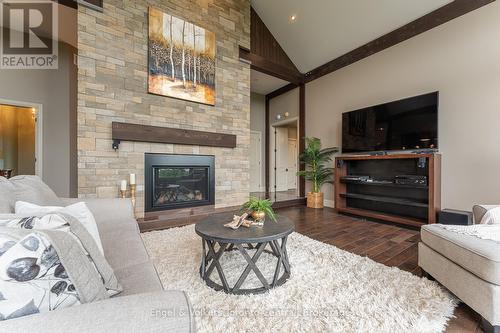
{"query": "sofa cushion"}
[(7, 199), (33, 190), (127, 255), (139, 278), (123, 247), (134, 313), (479, 256)]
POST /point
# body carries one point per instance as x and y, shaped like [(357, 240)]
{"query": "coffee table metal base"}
[(210, 261)]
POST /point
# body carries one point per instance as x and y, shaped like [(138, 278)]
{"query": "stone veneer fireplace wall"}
[(112, 86)]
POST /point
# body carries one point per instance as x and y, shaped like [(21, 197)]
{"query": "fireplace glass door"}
[(178, 186)]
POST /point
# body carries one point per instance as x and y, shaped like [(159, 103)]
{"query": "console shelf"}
[(392, 200), (380, 183), (381, 198)]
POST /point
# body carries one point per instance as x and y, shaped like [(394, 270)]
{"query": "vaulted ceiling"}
[(263, 84), (326, 29)]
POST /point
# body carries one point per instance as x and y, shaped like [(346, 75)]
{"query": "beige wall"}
[(461, 60), (288, 102), (55, 90)]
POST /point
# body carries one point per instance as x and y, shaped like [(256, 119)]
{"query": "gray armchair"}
[(467, 266)]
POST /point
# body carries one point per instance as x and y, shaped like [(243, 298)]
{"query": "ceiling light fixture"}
[(293, 18)]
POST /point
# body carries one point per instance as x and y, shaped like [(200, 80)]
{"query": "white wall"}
[(461, 60), (258, 123)]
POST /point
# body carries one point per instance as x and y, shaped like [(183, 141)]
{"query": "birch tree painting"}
[(181, 59)]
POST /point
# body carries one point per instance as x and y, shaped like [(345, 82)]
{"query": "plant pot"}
[(315, 200), (259, 216)]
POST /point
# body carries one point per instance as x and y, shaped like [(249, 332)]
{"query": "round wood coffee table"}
[(217, 239)]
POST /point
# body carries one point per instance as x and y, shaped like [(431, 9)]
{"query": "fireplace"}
[(179, 181)]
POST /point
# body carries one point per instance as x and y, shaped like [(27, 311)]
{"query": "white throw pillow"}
[(78, 210), (492, 216)]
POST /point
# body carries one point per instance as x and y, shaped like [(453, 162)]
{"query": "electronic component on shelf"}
[(410, 180), (355, 178)]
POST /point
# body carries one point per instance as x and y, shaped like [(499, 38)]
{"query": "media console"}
[(398, 188)]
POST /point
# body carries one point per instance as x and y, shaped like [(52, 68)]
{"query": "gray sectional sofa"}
[(467, 266), (143, 306)]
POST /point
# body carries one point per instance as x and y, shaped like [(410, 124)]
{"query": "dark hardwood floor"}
[(385, 243)]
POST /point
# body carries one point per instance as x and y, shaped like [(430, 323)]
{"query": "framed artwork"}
[(181, 59)]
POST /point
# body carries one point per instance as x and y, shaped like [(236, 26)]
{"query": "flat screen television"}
[(407, 124)]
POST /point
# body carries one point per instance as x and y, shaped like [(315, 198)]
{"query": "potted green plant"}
[(259, 209), (316, 171)]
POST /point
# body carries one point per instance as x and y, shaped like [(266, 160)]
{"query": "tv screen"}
[(407, 124)]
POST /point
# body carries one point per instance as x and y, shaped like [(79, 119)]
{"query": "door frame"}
[(301, 131), (261, 187), (38, 130), (294, 140), (271, 146)]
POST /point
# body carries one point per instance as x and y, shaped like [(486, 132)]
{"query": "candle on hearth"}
[(132, 179), (123, 185)]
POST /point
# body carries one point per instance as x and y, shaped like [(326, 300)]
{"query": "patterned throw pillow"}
[(32, 278), (50, 262), (66, 223), (79, 210)]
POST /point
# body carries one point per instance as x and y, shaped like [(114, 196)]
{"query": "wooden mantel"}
[(145, 133)]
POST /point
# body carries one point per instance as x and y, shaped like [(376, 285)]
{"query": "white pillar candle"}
[(123, 185), (132, 179)]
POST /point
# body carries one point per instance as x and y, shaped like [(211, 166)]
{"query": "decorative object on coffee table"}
[(271, 235), (259, 209), (239, 221), (315, 160), (7, 173)]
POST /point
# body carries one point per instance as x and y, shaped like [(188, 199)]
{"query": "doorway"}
[(260, 86), (20, 139), (292, 163), (284, 161), (256, 161)]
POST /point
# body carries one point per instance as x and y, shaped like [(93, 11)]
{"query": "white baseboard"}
[(329, 203)]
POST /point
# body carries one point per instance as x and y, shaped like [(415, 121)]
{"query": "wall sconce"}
[(279, 116)]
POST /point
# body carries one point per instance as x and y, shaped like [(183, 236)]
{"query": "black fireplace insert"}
[(179, 181)]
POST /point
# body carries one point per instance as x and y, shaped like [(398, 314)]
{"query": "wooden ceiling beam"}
[(94, 4), (266, 66), (282, 90)]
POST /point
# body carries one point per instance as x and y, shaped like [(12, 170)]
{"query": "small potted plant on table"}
[(259, 209), (317, 171)]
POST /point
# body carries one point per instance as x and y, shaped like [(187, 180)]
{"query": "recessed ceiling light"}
[(293, 18)]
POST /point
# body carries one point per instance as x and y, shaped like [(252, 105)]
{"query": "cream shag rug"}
[(330, 290)]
